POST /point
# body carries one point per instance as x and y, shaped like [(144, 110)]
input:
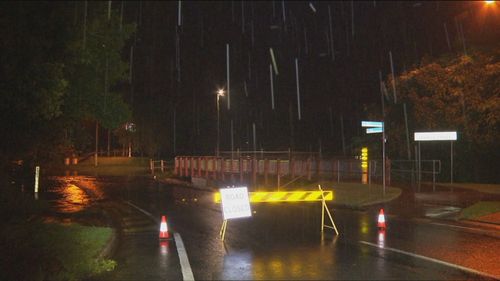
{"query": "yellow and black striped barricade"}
[(292, 196), (284, 196)]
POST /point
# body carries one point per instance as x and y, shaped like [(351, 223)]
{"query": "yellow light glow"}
[(364, 158), (277, 267), (489, 2)]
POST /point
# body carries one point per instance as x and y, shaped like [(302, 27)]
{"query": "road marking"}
[(456, 266), (433, 210), (143, 211), (187, 273), (458, 226)]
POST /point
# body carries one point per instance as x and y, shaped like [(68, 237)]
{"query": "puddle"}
[(71, 194)]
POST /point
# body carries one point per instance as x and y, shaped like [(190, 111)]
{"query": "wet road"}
[(280, 241)]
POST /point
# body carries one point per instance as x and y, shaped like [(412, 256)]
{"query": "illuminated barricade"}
[(284, 196), (364, 165), (277, 197)]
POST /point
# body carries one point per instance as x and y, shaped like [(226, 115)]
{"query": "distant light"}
[(220, 92), (489, 2), (130, 127)]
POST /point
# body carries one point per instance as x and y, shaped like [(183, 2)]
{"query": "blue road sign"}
[(375, 124), (374, 130)]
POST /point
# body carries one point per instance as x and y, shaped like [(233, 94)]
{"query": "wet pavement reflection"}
[(279, 241), (64, 196)]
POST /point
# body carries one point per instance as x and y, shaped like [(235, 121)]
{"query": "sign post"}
[(451, 162), (37, 175), (235, 204), (323, 208), (436, 136)]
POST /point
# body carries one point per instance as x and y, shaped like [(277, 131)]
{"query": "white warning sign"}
[(235, 203)]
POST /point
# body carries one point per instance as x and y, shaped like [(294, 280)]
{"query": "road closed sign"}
[(235, 203)]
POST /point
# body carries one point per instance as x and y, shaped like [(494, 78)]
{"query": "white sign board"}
[(235, 203), (435, 136)]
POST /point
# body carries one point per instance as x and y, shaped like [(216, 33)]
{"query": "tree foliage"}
[(51, 81), (96, 66), (453, 93)]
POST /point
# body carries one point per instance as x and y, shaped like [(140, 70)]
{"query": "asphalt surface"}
[(280, 241)]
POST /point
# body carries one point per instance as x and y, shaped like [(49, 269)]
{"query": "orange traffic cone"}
[(163, 228), (381, 219)]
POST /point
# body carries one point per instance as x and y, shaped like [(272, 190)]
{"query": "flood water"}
[(70, 194)]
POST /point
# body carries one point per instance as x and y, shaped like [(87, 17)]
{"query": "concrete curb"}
[(110, 247), (184, 183), (111, 244), (174, 181)]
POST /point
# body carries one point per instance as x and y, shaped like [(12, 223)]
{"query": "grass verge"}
[(481, 187), (480, 209), (345, 194), (117, 170), (51, 251), (357, 195), (31, 249)]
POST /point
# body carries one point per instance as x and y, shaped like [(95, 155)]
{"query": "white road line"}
[(456, 266), (144, 212), (457, 226), (187, 273)]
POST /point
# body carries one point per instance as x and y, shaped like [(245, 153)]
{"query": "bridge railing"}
[(157, 165), (219, 168)]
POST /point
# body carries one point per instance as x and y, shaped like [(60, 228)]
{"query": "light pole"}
[(220, 93)]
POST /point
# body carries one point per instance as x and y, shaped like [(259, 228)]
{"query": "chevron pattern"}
[(284, 196)]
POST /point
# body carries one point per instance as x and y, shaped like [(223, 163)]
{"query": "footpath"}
[(466, 207)]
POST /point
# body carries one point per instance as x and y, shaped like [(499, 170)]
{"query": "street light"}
[(220, 93)]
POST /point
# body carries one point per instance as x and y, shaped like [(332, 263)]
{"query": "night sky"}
[(340, 48)]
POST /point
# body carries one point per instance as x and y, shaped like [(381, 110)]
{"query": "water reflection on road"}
[(279, 241), (281, 263), (64, 194)]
